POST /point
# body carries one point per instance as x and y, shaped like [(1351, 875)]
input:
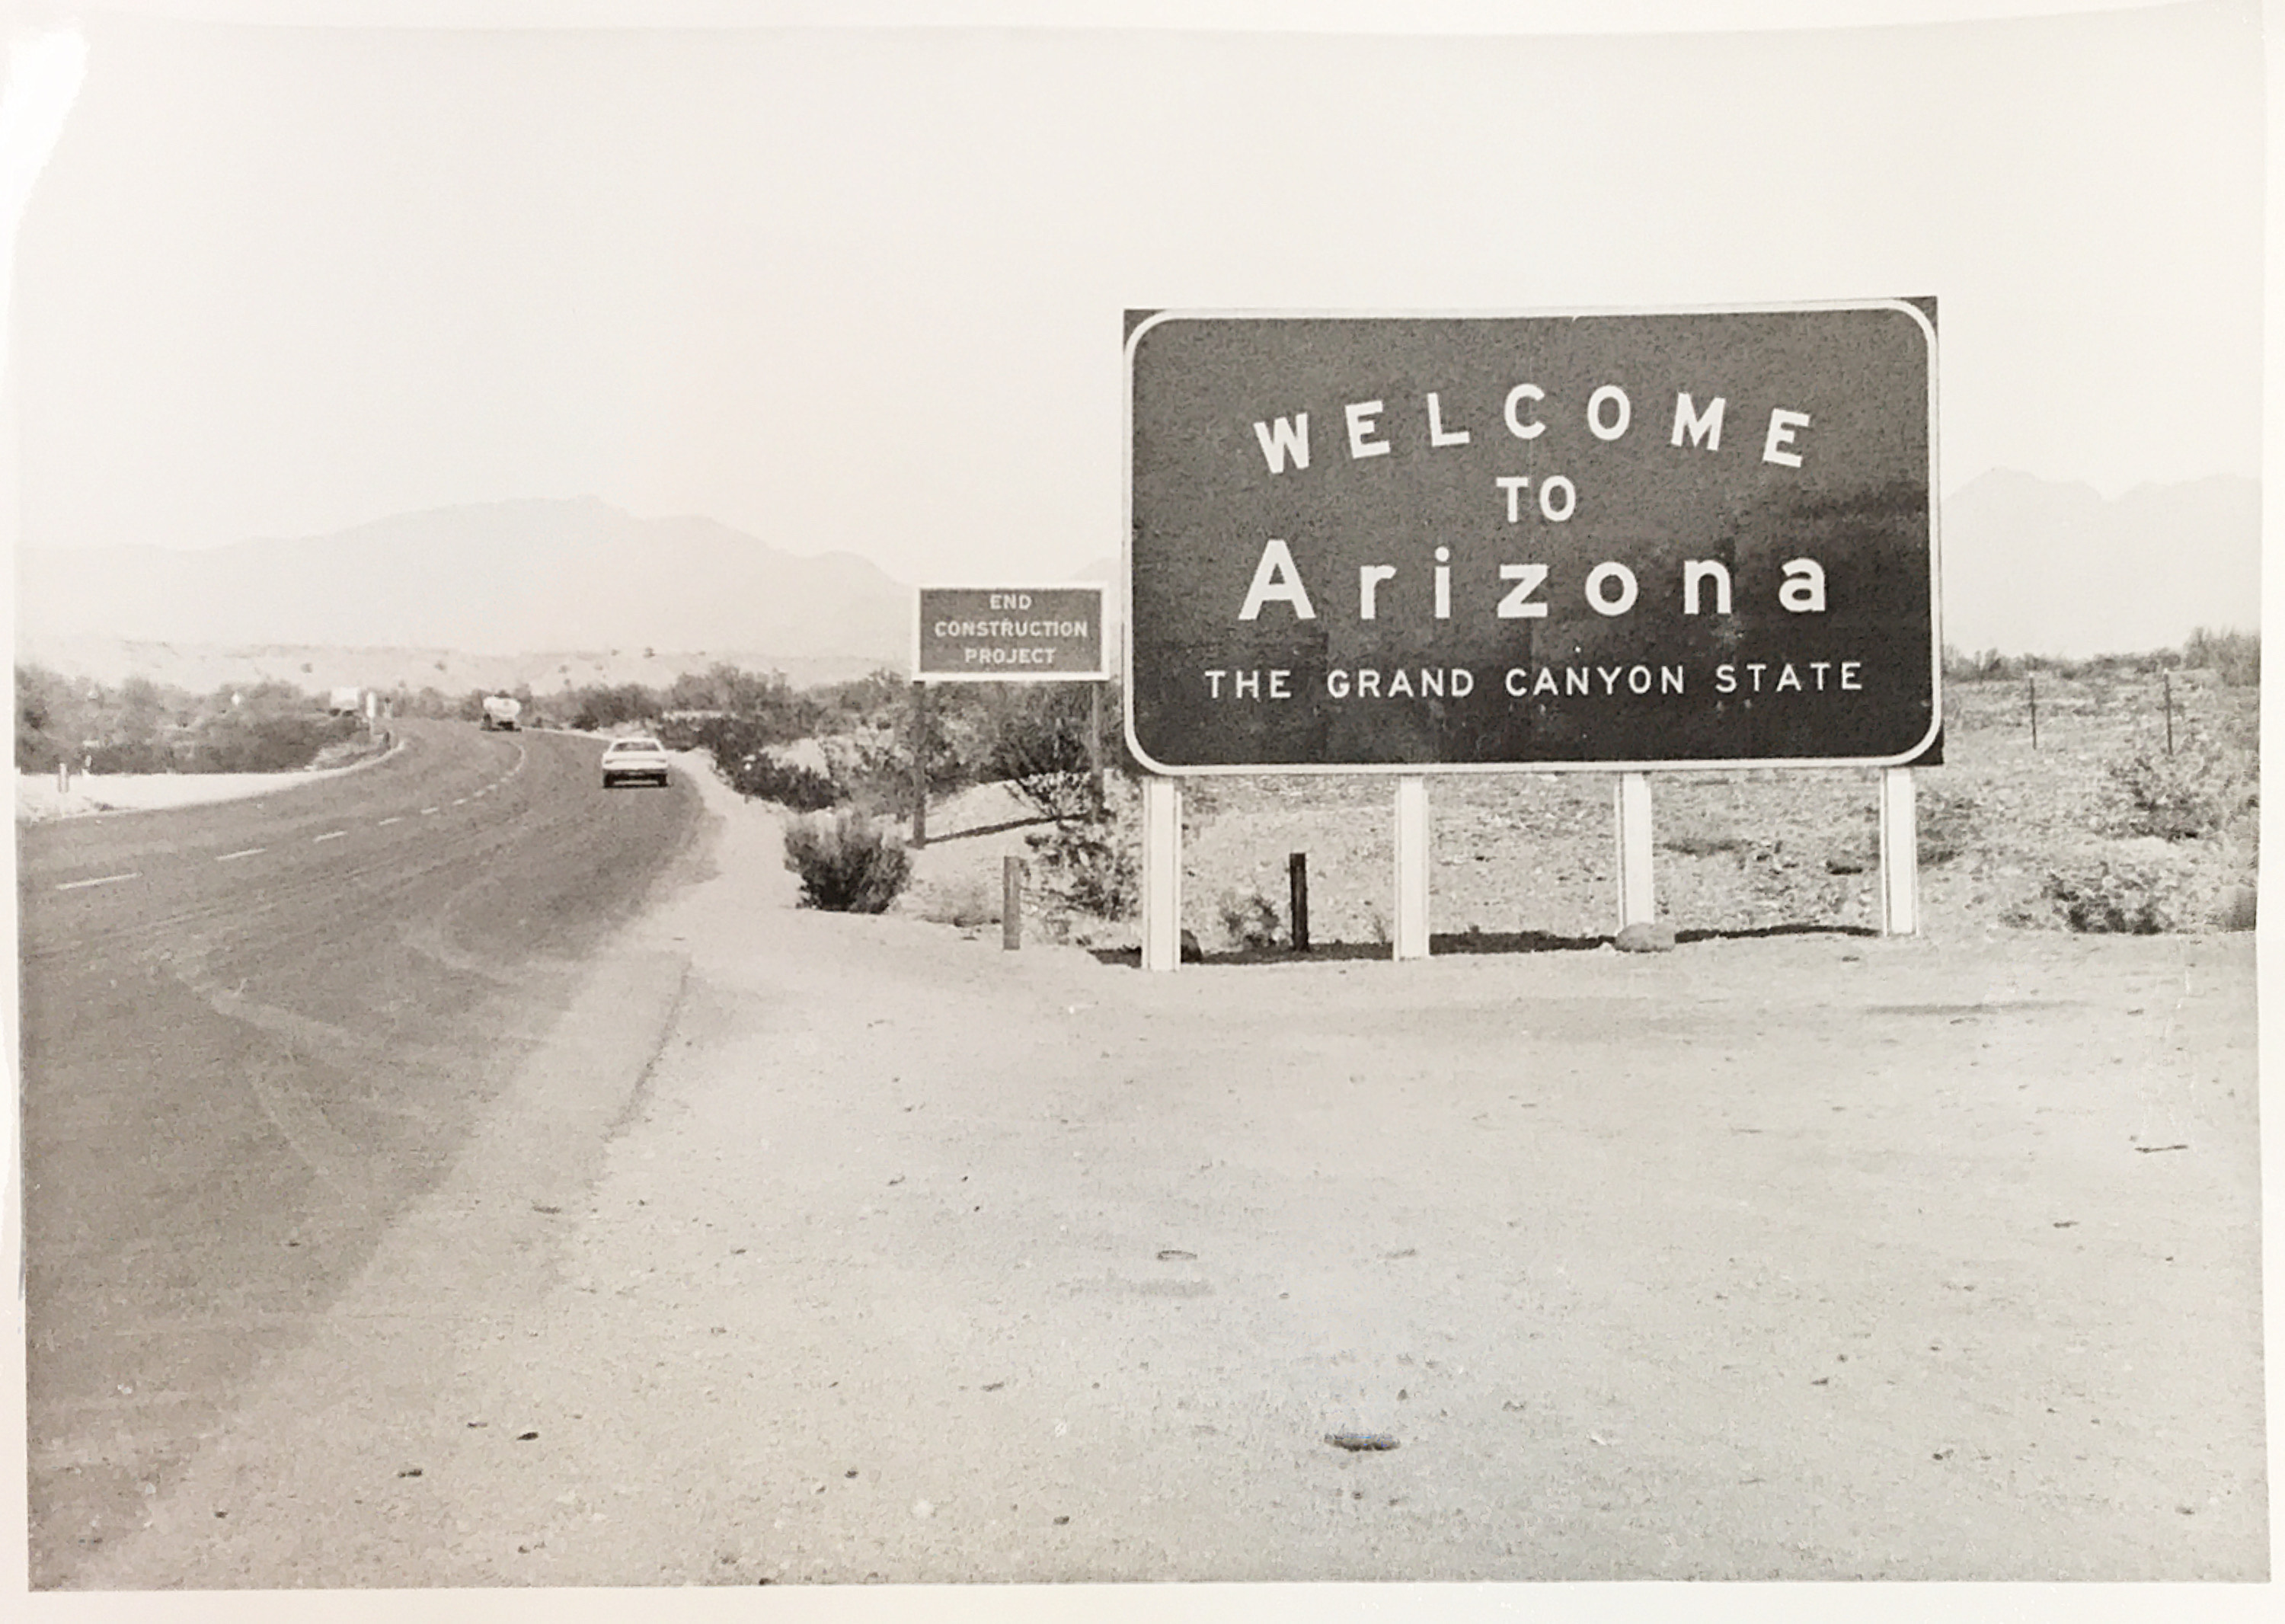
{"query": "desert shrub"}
[(1089, 866), (129, 755), (2188, 794), (1249, 920), (1949, 822), (1040, 748), (599, 706), (789, 784), (847, 863), (240, 743), (2233, 656), (1701, 843), (2124, 892), (1990, 665), (874, 771)]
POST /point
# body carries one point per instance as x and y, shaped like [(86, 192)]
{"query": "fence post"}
[(1412, 867), (1297, 884), (1162, 872), (1637, 887), (1095, 731), (1011, 903)]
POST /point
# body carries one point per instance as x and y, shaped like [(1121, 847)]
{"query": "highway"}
[(253, 1032)]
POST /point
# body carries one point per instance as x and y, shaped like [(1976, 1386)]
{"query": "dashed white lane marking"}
[(332, 834), (463, 800), (231, 857), (385, 822), (108, 879), (426, 810)]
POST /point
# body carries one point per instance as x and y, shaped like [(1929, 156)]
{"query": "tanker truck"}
[(501, 713)]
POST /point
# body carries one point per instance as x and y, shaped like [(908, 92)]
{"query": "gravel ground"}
[(1530, 859), (914, 1260)]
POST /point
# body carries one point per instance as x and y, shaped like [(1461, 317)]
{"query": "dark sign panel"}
[(1547, 541), (1009, 634)]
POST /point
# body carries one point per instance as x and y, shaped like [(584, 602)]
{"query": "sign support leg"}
[(1412, 867), (920, 764), (1637, 893), (1900, 853), (1162, 872)]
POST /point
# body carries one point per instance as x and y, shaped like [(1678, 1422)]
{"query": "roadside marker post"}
[(1638, 892), (1412, 867), (1162, 872), (1011, 903), (1900, 857)]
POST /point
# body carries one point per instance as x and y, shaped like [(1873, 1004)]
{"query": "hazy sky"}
[(862, 288)]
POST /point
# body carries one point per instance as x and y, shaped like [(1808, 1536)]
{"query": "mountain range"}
[(549, 592), (2033, 566)]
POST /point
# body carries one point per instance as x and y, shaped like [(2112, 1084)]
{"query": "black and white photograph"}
[(1100, 810)]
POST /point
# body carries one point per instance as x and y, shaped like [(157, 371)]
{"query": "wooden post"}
[(1297, 885), (1011, 903), (1638, 890), (920, 764), (1412, 867), (1162, 872), (1900, 855), (1095, 731), (63, 777)]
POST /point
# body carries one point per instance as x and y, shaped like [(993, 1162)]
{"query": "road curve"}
[(253, 1032)]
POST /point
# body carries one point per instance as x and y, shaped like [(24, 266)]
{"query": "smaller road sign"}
[(1009, 634)]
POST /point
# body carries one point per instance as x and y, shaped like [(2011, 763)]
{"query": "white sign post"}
[(1413, 867), (1162, 872), (1900, 857), (1637, 894)]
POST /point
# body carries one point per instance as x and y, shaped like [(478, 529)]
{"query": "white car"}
[(633, 759)]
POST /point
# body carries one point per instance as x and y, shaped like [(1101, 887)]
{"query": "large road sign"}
[(1009, 634), (1607, 541)]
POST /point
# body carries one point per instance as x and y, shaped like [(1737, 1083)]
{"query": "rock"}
[(1645, 936), (1361, 1441)]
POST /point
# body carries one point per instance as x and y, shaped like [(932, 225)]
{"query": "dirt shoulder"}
[(1805, 1257)]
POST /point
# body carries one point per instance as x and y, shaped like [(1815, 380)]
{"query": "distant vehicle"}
[(503, 713), (345, 701), (630, 760)]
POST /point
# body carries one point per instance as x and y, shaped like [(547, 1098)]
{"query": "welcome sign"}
[(1615, 541)]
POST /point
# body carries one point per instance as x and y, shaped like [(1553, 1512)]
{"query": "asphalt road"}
[(253, 1032)]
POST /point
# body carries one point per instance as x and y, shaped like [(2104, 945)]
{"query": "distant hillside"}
[(2031, 566), (200, 668), (491, 594), (493, 578)]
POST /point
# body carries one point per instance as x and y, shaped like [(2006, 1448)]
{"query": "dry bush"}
[(847, 863), (2142, 890), (2191, 794), (1250, 920)]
